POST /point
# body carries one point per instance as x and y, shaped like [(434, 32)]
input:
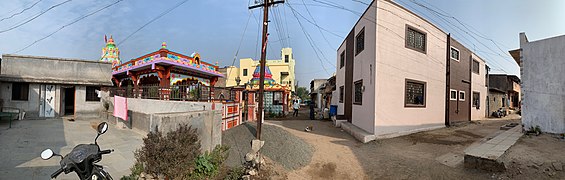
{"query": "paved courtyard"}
[(23, 143)]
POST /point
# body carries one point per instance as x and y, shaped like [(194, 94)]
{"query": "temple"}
[(163, 74), (110, 53), (276, 97)]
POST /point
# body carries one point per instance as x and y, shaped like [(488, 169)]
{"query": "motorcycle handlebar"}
[(56, 173), (106, 151)]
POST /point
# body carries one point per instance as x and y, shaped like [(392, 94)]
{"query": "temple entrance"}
[(68, 99)]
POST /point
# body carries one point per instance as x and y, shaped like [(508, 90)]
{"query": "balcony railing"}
[(196, 92)]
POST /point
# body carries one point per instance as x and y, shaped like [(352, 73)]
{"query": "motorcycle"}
[(501, 112), (82, 159)]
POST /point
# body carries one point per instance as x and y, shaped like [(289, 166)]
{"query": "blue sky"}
[(214, 28)]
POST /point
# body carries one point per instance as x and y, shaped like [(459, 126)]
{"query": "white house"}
[(391, 74), (542, 69), (479, 88)]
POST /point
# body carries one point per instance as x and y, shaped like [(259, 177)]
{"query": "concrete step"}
[(357, 132), (487, 156)]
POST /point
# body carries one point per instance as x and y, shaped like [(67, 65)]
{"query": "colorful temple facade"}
[(163, 74), (276, 98), (110, 53)]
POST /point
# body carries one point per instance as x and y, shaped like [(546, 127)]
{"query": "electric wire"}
[(239, 46), (22, 11), (35, 17), (316, 24), (69, 24), (311, 45), (152, 20)]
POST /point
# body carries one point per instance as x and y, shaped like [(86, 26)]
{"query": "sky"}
[(215, 28)]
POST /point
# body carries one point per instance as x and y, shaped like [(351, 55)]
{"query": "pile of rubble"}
[(253, 159)]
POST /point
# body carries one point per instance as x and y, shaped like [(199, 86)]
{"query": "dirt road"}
[(434, 154)]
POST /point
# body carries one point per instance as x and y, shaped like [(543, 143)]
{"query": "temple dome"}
[(110, 53)]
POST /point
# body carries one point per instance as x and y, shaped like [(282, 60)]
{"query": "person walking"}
[(295, 106)]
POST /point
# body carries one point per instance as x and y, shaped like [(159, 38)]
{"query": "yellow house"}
[(282, 70)]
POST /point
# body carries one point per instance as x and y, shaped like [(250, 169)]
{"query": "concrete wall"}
[(543, 85), (395, 63), (364, 68), (496, 102), (340, 81), (31, 106), (150, 106), (276, 66), (151, 115), (56, 70), (85, 108), (478, 84), (207, 123), (459, 81), (231, 73)]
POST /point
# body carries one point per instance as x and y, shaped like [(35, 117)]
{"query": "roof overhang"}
[(515, 55), (7, 78), (178, 66)]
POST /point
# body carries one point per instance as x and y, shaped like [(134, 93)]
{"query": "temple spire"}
[(110, 53)]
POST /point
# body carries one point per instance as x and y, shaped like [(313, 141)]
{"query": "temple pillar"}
[(165, 82), (134, 78), (212, 84)]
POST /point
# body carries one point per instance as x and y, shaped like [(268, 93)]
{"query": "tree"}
[(302, 92)]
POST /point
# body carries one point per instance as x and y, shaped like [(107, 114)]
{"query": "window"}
[(244, 72), (415, 93), (277, 98), (92, 93), (461, 95), (415, 39), (476, 99), (20, 91), (286, 58), (341, 94), (503, 102), (453, 95), (454, 54), (360, 41), (476, 66), (342, 59), (358, 92)]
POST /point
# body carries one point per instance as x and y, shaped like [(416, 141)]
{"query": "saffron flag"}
[(121, 107)]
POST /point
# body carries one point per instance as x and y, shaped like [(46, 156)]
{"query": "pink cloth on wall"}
[(121, 107)]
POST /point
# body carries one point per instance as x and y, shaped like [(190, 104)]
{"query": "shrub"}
[(208, 164), (171, 155), (136, 170), (235, 173)]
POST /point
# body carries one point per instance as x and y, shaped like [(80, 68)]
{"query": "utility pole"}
[(265, 5)]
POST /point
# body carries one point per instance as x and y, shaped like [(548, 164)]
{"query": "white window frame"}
[(456, 94), (458, 54), (459, 95)]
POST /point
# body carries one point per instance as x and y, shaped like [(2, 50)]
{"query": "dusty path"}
[(434, 154)]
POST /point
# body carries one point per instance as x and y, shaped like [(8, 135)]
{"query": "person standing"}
[(295, 106), (312, 109)]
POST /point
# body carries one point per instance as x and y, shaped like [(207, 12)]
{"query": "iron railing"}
[(197, 92)]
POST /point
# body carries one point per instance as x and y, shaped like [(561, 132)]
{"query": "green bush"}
[(208, 164), (235, 173), (171, 155), (136, 170)]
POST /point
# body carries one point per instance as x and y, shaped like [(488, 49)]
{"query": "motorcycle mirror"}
[(47, 154), (102, 128)]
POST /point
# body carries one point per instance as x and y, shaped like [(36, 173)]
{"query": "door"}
[(68, 100), (47, 100)]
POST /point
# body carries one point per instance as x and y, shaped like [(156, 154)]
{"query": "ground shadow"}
[(22, 145)]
